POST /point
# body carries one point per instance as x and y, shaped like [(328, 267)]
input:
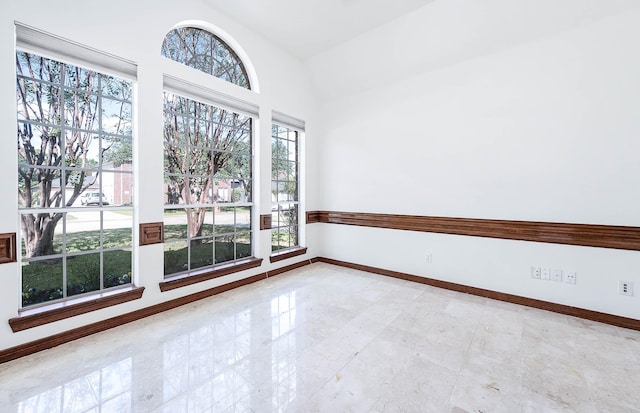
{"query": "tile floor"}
[(328, 339)]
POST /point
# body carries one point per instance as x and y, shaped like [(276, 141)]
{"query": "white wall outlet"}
[(570, 277), (556, 275), (428, 258), (625, 287), (545, 274), (535, 272)]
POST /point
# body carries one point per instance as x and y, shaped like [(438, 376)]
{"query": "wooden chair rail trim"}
[(209, 274), (588, 235), (59, 311)]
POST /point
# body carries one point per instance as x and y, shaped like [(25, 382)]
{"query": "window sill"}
[(219, 270), (289, 253), (34, 317)]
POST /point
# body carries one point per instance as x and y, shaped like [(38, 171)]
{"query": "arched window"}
[(208, 159), (206, 52)]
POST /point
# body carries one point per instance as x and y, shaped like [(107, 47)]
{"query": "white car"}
[(93, 198)]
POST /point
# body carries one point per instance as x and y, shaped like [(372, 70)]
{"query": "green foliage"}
[(120, 152), (40, 283), (175, 260)]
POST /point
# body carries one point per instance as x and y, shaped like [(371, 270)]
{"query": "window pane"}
[(175, 224), (118, 153), (243, 218), (206, 52), (41, 281), (33, 195), (117, 228), (243, 245), (116, 117), (80, 110), (35, 245), (225, 221), (175, 189), (117, 187), (83, 273), (201, 253), (117, 267), (176, 256), (116, 88), (78, 78), (225, 248), (207, 226), (83, 231)]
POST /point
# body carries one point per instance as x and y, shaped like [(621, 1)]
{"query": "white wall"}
[(135, 30), (544, 130)]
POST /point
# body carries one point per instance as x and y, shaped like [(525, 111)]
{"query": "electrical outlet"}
[(428, 258), (556, 275), (570, 277), (535, 272), (625, 288), (545, 274)]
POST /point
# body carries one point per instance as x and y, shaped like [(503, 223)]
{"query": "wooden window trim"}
[(34, 317), (151, 233), (210, 273), (265, 222), (8, 248), (288, 253)]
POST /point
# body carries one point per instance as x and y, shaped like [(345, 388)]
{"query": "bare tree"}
[(203, 143), (58, 120)]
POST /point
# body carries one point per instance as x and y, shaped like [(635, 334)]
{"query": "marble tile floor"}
[(329, 339)]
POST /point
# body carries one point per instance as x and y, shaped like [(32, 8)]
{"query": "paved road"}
[(78, 221)]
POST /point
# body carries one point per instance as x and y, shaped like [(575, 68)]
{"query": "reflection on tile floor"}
[(329, 339)]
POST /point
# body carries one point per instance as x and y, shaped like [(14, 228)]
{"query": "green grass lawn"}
[(42, 280)]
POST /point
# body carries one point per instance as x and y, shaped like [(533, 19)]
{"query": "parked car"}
[(93, 198)]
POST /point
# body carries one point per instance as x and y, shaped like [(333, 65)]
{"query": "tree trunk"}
[(38, 231), (196, 221)]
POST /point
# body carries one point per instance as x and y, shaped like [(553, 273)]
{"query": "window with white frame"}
[(208, 185), (75, 179), (285, 198), (207, 158), (206, 52)]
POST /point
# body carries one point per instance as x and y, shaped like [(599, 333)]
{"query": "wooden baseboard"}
[(611, 319), (70, 335), (84, 331)]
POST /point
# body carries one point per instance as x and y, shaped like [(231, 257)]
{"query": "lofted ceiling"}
[(307, 27)]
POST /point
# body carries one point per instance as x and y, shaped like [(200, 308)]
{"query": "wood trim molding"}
[(316, 216), (265, 222), (615, 320), (70, 335), (588, 235), (59, 311), (289, 253), (8, 248), (209, 274), (84, 331), (288, 268), (151, 233)]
